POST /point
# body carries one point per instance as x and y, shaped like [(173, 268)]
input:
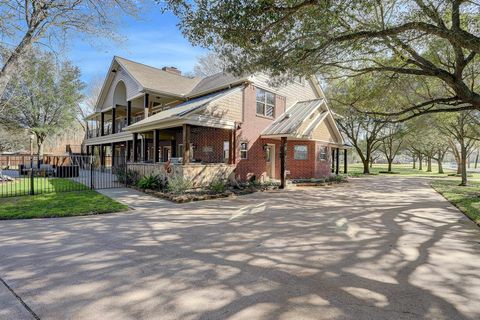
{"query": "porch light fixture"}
[(265, 146)]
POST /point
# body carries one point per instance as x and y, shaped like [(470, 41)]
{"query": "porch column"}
[(186, 144), (135, 147), (344, 160), (156, 138), (283, 155), (337, 160), (102, 124), (145, 104), (333, 160), (112, 152), (232, 147), (128, 153), (144, 149), (102, 155), (129, 113), (113, 120)]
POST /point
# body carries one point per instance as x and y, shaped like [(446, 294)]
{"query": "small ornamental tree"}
[(43, 98)]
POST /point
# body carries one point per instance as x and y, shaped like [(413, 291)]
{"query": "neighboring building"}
[(151, 115)]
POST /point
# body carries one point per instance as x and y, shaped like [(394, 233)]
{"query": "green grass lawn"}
[(40, 185), (467, 199), (399, 169), (58, 204)]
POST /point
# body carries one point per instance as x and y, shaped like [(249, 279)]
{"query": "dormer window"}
[(265, 103)]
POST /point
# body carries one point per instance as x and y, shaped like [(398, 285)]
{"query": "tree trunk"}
[(414, 164), (440, 166), (390, 165), (463, 155), (366, 167), (420, 163), (476, 161), (429, 164), (40, 143)]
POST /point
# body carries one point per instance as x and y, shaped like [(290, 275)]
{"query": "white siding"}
[(131, 85), (228, 107), (293, 91)]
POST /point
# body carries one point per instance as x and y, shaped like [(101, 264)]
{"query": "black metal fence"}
[(24, 175)]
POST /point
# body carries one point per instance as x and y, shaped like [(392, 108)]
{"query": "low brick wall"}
[(199, 174)]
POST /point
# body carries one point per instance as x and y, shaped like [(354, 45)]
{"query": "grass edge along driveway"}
[(466, 199), (58, 204)]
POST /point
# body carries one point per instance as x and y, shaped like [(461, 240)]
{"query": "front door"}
[(270, 159)]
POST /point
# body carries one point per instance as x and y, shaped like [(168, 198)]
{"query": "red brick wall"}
[(205, 138), (250, 131)]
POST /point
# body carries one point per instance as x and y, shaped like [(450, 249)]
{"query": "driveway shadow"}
[(370, 249)]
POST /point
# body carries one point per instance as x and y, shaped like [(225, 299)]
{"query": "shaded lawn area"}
[(21, 186), (58, 204), (467, 199), (400, 170)]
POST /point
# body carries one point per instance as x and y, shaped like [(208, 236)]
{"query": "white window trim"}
[(265, 103), (244, 150)]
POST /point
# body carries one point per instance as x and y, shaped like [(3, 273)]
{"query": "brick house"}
[(157, 116)]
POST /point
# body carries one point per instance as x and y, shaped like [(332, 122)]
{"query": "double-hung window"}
[(300, 152), (265, 103), (243, 150)]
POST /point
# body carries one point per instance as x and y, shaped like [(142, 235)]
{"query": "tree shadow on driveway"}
[(370, 249)]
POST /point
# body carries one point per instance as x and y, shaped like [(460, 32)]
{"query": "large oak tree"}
[(436, 40)]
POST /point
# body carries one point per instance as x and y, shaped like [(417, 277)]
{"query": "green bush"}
[(154, 182), (217, 186), (178, 184), (337, 178)]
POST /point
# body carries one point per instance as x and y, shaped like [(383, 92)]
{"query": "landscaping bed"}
[(206, 194), (332, 179)]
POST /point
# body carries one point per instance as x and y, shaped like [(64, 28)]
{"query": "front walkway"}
[(376, 248)]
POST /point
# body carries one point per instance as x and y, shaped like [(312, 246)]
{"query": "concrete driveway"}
[(376, 248)]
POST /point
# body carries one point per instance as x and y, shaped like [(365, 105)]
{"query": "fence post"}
[(92, 186), (126, 175), (32, 190)]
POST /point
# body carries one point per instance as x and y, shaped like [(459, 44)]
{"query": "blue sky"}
[(154, 40)]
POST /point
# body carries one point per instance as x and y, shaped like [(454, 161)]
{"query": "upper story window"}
[(265, 103)]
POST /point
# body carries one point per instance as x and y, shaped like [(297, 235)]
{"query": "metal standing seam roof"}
[(292, 118), (183, 108)]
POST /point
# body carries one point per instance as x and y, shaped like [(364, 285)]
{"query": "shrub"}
[(154, 182), (217, 186), (131, 177), (178, 184), (336, 178)]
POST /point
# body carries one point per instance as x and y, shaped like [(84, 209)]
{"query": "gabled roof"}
[(158, 80), (215, 82), (181, 110), (292, 119), (298, 121)]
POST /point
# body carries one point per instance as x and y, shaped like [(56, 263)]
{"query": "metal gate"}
[(25, 175)]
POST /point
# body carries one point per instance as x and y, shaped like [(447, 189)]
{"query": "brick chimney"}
[(172, 70)]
